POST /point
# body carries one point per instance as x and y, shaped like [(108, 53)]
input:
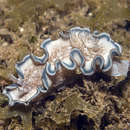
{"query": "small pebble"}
[(21, 29), (90, 14), (5, 44)]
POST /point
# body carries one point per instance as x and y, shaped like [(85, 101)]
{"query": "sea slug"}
[(76, 48)]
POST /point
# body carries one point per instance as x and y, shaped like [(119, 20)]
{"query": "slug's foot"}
[(120, 68)]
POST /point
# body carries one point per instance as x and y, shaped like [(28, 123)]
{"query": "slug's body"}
[(77, 48)]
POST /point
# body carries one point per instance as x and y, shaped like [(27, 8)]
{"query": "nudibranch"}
[(76, 48)]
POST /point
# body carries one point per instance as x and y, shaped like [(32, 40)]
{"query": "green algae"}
[(24, 10), (19, 52), (64, 111), (105, 12), (59, 110), (7, 113)]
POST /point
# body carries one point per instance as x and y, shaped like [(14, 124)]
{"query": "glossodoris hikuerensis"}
[(78, 47)]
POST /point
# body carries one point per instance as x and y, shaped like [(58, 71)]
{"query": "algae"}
[(98, 102)]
